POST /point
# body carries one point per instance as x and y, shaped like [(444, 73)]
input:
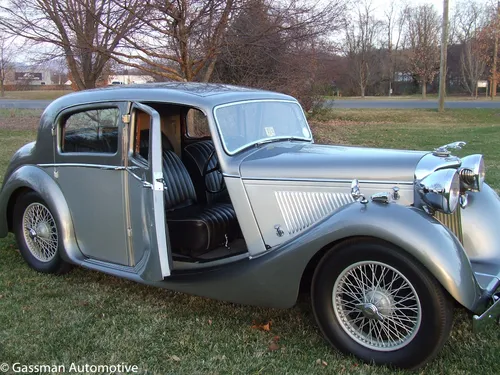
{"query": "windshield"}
[(246, 123)]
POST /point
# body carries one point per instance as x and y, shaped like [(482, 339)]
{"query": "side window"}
[(197, 124), (95, 130), (141, 137)]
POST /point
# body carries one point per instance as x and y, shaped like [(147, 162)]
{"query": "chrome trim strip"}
[(323, 180), (84, 165), (310, 139)]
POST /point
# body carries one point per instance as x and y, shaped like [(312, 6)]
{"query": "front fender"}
[(480, 227), (36, 179), (417, 233)]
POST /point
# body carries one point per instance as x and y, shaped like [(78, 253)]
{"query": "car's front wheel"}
[(376, 302), (37, 235)]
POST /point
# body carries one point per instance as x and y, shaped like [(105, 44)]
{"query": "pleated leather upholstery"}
[(180, 190), (196, 155), (194, 229)]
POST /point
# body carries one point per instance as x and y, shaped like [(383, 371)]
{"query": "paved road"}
[(24, 104), (393, 104), (406, 104)]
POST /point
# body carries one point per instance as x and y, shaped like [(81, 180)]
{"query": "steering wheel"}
[(207, 171)]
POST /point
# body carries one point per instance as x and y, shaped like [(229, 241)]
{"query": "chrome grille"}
[(302, 209), (452, 221)]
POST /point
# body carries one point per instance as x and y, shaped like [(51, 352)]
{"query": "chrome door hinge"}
[(53, 131), (126, 119)]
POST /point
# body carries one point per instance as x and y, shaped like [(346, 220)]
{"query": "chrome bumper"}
[(488, 319)]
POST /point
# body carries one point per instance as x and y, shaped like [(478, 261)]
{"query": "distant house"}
[(128, 79), (33, 77)]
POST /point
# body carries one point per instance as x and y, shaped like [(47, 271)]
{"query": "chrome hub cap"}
[(40, 232), (376, 306)]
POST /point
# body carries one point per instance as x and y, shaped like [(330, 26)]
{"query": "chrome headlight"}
[(472, 173), (441, 190)]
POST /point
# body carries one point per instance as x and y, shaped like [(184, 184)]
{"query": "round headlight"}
[(472, 172), (441, 190)]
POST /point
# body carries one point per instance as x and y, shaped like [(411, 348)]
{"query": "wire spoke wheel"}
[(376, 306), (40, 232)]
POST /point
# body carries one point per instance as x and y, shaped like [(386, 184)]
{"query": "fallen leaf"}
[(273, 346), (1, 296), (210, 321), (321, 362), (276, 338), (175, 358), (263, 327)]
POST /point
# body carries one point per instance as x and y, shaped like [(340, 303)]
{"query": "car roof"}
[(204, 95), (201, 95)]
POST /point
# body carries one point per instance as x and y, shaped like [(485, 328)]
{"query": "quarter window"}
[(94, 130), (197, 124)]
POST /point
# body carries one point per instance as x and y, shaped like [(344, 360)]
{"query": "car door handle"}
[(163, 182)]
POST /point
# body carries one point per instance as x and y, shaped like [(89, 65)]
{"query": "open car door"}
[(148, 241)]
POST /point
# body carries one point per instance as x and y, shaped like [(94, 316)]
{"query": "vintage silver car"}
[(220, 191)]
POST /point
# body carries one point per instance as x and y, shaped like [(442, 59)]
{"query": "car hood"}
[(289, 160)]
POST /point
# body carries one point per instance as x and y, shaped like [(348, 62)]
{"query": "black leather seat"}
[(195, 158), (193, 229)]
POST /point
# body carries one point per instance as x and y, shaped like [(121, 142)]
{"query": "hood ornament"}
[(445, 150)]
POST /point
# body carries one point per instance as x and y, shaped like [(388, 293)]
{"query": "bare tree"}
[(85, 32), (276, 45), (360, 45), (183, 40), (468, 21), (423, 37), (178, 40), (6, 60), (395, 20)]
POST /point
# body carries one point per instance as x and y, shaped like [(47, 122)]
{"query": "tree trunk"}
[(424, 89), (2, 88), (362, 91)]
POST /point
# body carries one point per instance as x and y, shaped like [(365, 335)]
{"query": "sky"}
[(381, 5)]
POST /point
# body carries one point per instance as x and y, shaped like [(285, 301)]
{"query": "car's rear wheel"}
[(37, 235), (378, 303)]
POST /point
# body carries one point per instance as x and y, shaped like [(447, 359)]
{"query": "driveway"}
[(24, 104), (359, 103)]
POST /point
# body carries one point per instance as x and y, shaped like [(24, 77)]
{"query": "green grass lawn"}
[(35, 94), (89, 318)]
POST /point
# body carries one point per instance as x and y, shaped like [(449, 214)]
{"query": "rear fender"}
[(38, 180)]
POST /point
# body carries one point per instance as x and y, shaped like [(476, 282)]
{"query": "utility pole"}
[(494, 80), (444, 57)]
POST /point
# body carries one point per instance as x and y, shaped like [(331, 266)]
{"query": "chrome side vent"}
[(452, 221), (300, 210)]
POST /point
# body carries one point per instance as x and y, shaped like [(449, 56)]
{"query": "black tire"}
[(52, 263), (341, 265)]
